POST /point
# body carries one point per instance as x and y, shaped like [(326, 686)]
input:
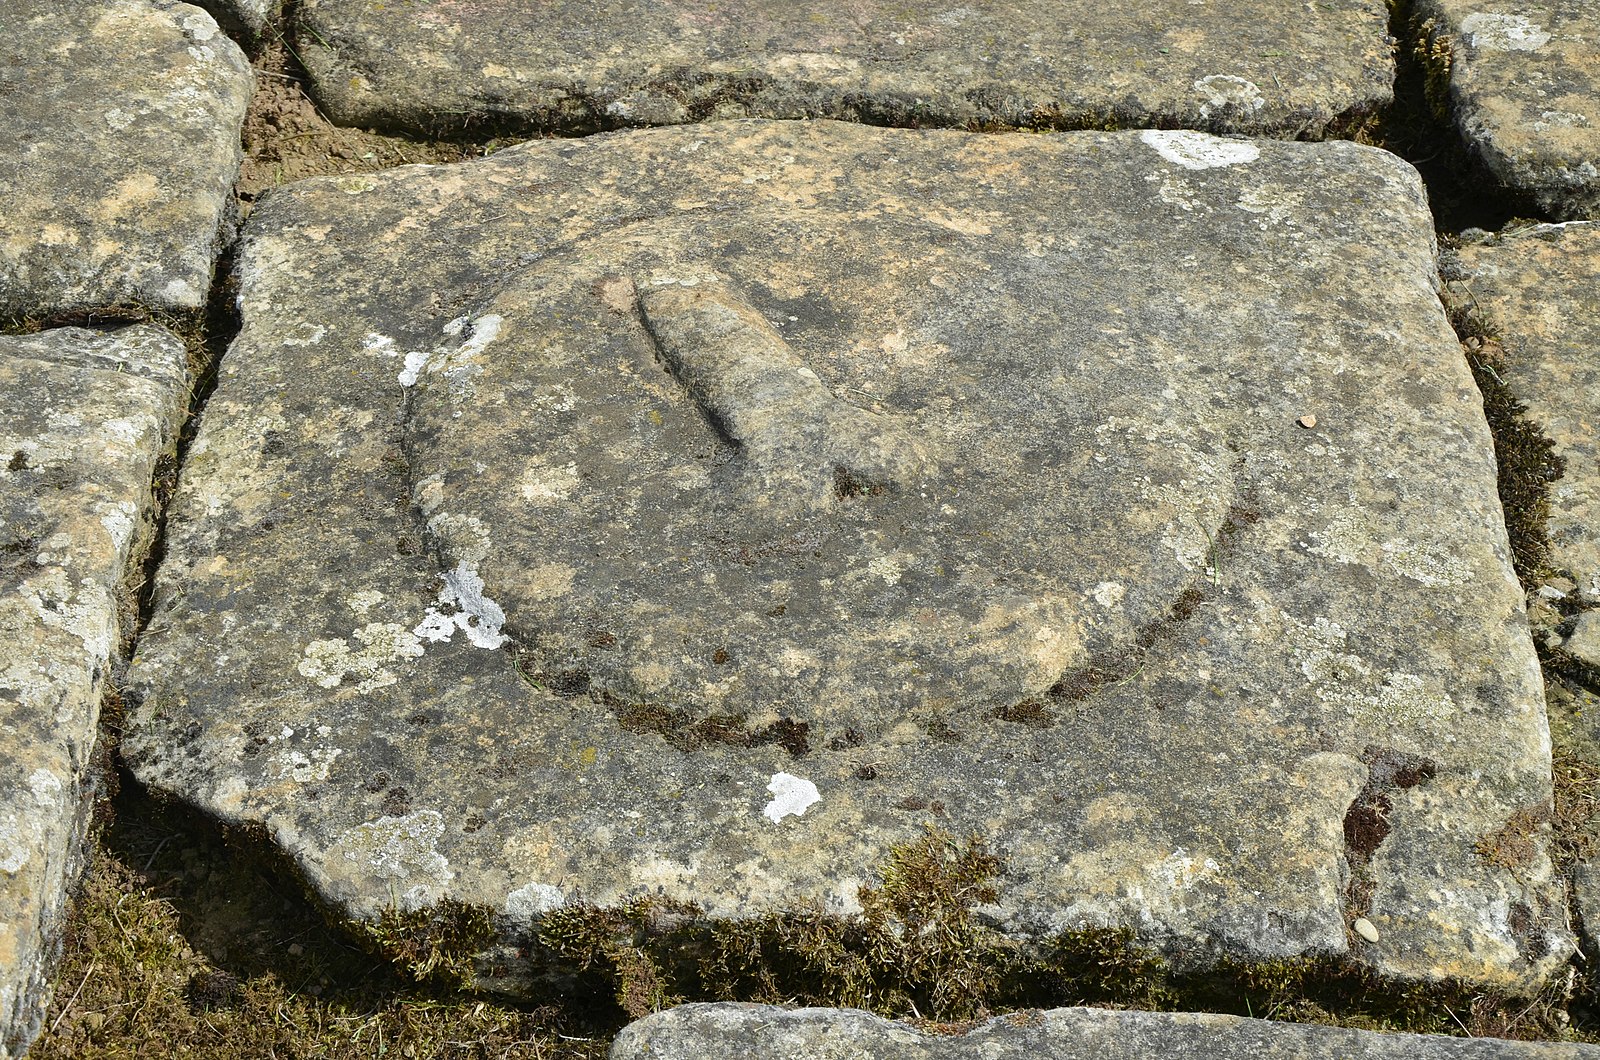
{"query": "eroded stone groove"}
[(447, 414)]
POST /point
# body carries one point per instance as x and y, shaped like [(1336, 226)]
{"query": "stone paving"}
[(699, 515), (84, 417)]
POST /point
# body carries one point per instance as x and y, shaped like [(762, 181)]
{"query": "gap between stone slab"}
[(1461, 193)]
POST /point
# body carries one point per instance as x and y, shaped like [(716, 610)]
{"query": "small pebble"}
[(1366, 929), (1307, 421)]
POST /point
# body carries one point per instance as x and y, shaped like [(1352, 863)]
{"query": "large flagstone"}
[(696, 513)]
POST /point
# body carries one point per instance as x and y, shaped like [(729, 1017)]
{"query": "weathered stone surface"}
[(1236, 67), (697, 512), (121, 122), (1524, 89), (714, 1032), (84, 417), (1536, 288)]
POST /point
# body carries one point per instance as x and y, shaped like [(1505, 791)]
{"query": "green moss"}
[(1528, 463), (436, 945)]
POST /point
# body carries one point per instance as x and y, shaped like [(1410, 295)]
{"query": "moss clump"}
[(181, 944), (635, 952), (1528, 463), (436, 945)]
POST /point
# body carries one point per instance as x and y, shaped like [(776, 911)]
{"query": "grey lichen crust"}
[(1535, 288), (695, 513), (84, 417), (121, 122), (442, 65), (734, 1032), (1524, 90)]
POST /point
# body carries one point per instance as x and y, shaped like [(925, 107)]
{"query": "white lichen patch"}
[(363, 600), (1108, 594), (1348, 683), (457, 363), (18, 840), (542, 484), (329, 662), (1225, 92), (403, 850), (1429, 564), (1194, 150), (531, 901), (791, 796), (305, 768), (886, 568), (118, 520), (1345, 538), (304, 334), (1503, 33), (474, 613), (85, 611)]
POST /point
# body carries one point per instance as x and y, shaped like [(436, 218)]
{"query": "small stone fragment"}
[(1583, 643), (246, 18), (1366, 929), (1307, 421)]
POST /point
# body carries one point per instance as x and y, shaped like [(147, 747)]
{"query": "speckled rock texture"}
[(84, 417), (120, 120), (698, 512), (440, 65), (1536, 288), (1524, 89), (735, 1032)]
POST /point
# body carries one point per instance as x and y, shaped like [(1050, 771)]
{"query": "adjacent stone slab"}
[(714, 1032), (121, 122), (697, 512), (1524, 81), (84, 417), (1537, 288), (440, 65)]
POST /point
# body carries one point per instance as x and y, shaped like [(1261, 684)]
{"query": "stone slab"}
[(732, 1031), (1537, 288), (698, 512), (84, 417), (440, 65), (121, 122), (1524, 89)]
